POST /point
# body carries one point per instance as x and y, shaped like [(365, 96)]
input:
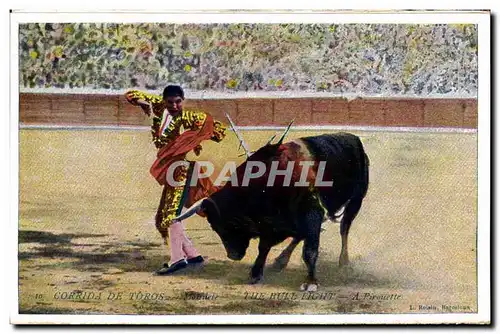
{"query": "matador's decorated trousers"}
[(173, 199)]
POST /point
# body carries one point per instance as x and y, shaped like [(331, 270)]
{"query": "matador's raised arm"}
[(148, 102)]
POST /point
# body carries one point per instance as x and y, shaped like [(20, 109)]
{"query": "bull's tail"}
[(337, 210)]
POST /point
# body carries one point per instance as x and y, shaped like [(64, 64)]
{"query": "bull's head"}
[(234, 238), (234, 234)]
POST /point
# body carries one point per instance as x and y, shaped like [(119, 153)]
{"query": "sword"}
[(239, 136)]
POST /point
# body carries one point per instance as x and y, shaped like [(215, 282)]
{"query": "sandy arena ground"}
[(88, 245)]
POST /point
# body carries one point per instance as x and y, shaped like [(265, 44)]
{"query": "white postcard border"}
[(482, 19)]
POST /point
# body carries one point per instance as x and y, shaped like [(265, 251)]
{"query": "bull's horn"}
[(270, 139), (195, 208), (285, 132)]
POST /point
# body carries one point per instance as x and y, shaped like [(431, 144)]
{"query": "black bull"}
[(274, 213)]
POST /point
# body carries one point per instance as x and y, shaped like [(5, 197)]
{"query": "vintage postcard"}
[(234, 167)]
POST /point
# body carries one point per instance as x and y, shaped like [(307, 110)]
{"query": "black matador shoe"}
[(173, 268), (196, 260)]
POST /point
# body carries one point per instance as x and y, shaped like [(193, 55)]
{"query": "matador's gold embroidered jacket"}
[(188, 119)]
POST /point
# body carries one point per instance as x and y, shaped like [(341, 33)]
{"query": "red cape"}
[(178, 148)]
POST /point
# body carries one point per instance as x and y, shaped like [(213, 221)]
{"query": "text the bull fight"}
[(255, 207)]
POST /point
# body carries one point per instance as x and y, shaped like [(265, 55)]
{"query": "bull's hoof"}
[(256, 280), (309, 287), (343, 261)]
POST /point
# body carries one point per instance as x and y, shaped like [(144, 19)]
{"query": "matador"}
[(168, 119)]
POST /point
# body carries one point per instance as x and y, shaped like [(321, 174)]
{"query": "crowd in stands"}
[(343, 58)]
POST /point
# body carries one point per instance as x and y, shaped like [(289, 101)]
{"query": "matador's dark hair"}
[(173, 90)]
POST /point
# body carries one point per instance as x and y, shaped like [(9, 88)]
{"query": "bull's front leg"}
[(311, 248), (257, 272), (310, 255)]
